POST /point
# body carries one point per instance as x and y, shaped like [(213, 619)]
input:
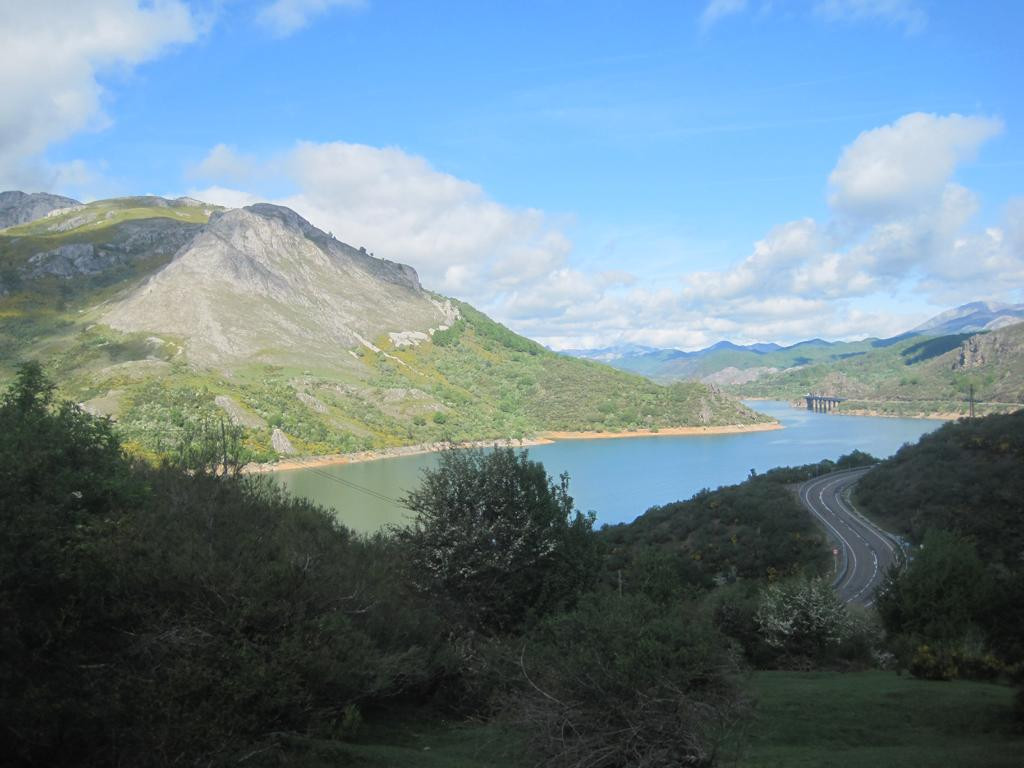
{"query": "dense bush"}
[(941, 594), (851, 460), (949, 617), (966, 477), (757, 529), (156, 617), (805, 623), (627, 681), (497, 540)]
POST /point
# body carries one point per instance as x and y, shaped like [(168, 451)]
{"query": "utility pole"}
[(224, 445), (972, 401)]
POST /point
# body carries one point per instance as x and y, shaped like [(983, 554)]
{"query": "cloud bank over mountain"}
[(899, 221), (638, 177)]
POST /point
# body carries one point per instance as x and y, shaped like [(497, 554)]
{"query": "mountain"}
[(972, 318), (21, 208), (723, 362), (921, 375), (887, 375), (172, 316), (261, 283), (608, 354), (81, 247)]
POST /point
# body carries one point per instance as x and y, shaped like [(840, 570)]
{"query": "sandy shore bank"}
[(381, 453), (730, 429), (544, 438)]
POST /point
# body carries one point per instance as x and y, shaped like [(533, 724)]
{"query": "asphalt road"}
[(864, 551)]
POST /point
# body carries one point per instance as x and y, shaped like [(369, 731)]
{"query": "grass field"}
[(411, 744), (878, 719), (802, 719)]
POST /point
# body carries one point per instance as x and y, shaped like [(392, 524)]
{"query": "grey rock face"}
[(238, 415), (262, 283), (21, 207), (400, 274), (131, 241), (280, 442), (68, 260), (979, 351)]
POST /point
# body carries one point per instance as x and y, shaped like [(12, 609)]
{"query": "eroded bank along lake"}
[(620, 479)]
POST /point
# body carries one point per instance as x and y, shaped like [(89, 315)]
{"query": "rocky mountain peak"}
[(261, 282), (22, 207)]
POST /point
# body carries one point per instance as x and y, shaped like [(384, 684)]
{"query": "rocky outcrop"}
[(408, 338), (262, 283), (280, 442), (130, 241), (238, 415), (311, 402), (985, 349), (21, 207)]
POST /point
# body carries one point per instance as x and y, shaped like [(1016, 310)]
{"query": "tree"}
[(52, 452), (63, 483), (803, 617), (940, 594), (497, 539)]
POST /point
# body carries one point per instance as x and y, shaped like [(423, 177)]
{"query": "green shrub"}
[(497, 540), (623, 680), (154, 616)]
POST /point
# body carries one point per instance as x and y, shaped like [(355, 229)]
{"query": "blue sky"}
[(668, 173)]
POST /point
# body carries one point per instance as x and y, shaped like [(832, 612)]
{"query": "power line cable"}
[(351, 485)]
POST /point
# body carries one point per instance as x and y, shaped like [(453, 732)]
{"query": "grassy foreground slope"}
[(475, 380), (866, 719), (877, 719)]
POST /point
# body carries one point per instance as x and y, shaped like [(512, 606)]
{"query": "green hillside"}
[(475, 380), (966, 477), (912, 376)]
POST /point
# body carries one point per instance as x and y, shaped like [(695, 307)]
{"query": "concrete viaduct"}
[(822, 403)]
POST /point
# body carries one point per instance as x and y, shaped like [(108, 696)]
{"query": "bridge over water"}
[(822, 403)]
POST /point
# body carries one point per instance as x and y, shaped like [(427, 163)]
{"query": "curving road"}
[(864, 551)]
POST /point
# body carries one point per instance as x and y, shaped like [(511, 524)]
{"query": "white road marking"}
[(870, 535)]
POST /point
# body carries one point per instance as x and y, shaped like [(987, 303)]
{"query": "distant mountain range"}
[(927, 370), (173, 315), (972, 318)]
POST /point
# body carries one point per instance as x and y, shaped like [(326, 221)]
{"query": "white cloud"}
[(716, 10), (912, 234), (899, 220), (51, 55), (900, 167), (905, 13), (284, 17), (225, 163), (399, 207)]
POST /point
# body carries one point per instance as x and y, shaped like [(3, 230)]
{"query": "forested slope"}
[(966, 477)]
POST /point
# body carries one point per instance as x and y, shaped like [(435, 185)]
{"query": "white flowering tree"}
[(803, 617)]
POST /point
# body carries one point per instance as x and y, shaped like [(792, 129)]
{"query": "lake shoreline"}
[(543, 438)]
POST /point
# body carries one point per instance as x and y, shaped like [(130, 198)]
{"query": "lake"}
[(621, 478)]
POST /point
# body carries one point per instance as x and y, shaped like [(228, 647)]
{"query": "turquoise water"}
[(620, 479)]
